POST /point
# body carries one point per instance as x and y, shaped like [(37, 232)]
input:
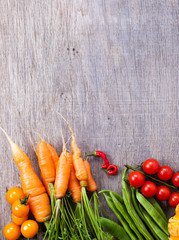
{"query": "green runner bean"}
[(122, 209), (152, 212), (114, 229), (137, 208), (119, 216), (159, 234), (157, 207), (130, 208), (119, 198)]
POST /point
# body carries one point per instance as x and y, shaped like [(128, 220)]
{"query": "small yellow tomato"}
[(12, 231), (14, 194), (29, 228), (17, 220), (20, 208)]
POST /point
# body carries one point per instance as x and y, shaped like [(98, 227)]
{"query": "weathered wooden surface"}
[(110, 67)]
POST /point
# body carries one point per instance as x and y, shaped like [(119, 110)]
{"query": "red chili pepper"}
[(103, 156), (112, 169)]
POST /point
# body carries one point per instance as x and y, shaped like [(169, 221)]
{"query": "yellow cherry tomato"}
[(14, 194), (17, 220), (20, 208), (29, 228), (12, 231)]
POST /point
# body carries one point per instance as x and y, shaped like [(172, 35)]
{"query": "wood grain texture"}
[(110, 67)]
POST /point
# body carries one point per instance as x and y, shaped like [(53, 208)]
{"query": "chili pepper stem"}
[(105, 170), (155, 179), (91, 154)]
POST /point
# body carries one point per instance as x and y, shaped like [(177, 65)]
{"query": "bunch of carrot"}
[(73, 174), (59, 174)]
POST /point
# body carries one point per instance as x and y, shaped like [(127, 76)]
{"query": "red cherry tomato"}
[(136, 179), (175, 179), (174, 199), (163, 193), (151, 166), (149, 189), (165, 173)]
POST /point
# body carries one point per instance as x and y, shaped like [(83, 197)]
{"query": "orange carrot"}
[(74, 185), (62, 176), (92, 187), (40, 207), (31, 183), (54, 154), (55, 159), (78, 162), (46, 163), (62, 173), (46, 184)]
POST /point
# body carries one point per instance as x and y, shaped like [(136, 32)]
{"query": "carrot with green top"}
[(91, 184), (57, 195), (78, 162), (62, 174), (82, 176), (47, 158), (74, 185)]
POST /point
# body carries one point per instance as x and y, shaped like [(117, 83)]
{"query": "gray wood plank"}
[(110, 67)]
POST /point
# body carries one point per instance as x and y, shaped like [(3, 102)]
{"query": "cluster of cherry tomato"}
[(20, 211), (149, 188)]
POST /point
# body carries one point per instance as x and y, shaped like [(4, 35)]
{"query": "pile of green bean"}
[(141, 218)]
